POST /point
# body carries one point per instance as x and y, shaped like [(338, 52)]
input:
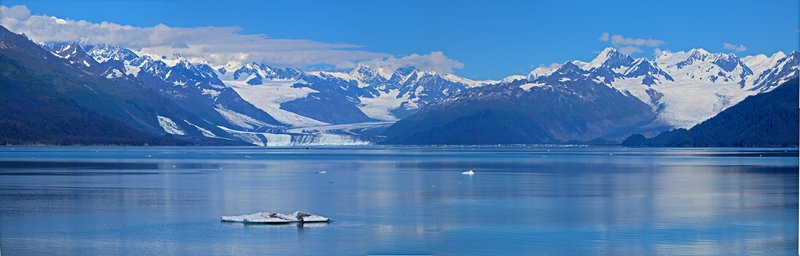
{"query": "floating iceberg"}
[(275, 218), (470, 172)]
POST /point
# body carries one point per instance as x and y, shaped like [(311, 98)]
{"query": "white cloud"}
[(621, 40), (552, 66), (435, 61), (734, 47), (657, 52), (216, 45), (629, 45), (18, 12), (604, 37), (628, 50)]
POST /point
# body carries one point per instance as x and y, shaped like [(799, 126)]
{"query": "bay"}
[(522, 200)]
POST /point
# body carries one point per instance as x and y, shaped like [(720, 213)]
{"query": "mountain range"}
[(172, 100), (602, 101)]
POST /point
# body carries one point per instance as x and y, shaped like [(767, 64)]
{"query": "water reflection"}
[(522, 200)]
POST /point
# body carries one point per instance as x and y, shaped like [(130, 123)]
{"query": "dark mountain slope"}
[(32, 113), (127, 102), (552, 110)]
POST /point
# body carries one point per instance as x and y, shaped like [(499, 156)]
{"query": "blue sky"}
[(492, 39)]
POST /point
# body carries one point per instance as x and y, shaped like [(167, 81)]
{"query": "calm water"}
[(578, 201)]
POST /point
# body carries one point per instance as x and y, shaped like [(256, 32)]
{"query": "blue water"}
[(399, 200)]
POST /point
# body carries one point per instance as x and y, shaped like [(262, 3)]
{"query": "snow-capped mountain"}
[(566, 106), (255, 73), (265, 105), (260, 104), (701, 65), (683, 88), (704, 84), (783, 70), (761, 62), (194, 87), (364, 94), (605, 99), (75, 55)]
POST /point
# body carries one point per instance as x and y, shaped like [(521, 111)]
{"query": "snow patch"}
[(468, 82), (239, 119), (114, 74), (205, 132), (212, 93), (513, 78), (169, 126), (527, 87)]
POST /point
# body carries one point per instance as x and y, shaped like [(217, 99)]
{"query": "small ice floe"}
[(275, 218), (321, 172), (257, 218), (470, 172)]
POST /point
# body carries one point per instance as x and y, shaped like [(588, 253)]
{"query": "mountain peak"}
[(405, 70), (364, 69), (608, 50), (569, 69), (73, 52), (367, 72), (778, 55), (542, 71), (650, 72), (106, 52), (726, 61), (699, 51), (608, 53)]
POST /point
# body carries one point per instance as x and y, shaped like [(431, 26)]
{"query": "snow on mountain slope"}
[(686, 103), (203, 131), (513, 78), (784, 70), (380, 107), (682, 88), (382, 95), (701, 65), (239, 119), (685, 88), (609, 58), (469, 82), (269, 95), (370, 75), (760, 63), (542, 71), (374, 92), (169, 126)]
